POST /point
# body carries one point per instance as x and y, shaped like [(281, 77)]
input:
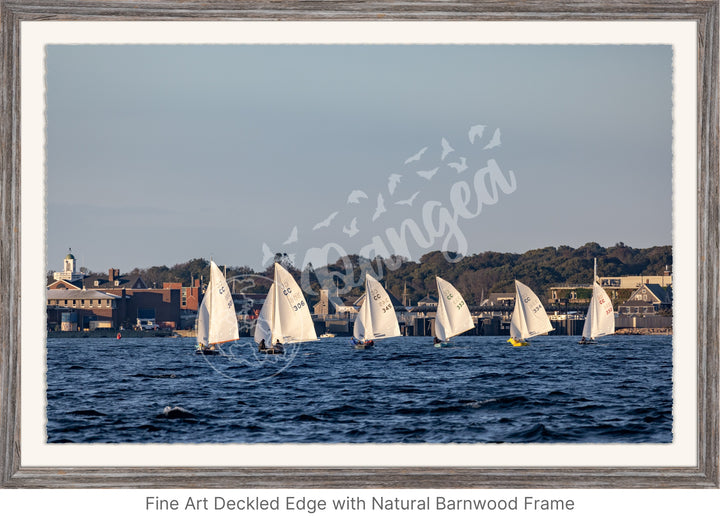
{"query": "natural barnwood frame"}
[(705, 474)]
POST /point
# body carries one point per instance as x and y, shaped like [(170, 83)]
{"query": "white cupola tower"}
[(69, 263), (69, 272)]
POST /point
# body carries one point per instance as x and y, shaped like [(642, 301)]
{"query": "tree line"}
[(475, 276)]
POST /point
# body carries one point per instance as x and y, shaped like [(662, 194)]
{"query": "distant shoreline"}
[(112, 334), (191, 333), (643, 331)]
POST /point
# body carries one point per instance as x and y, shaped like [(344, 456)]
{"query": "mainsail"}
[(600, 318), (263, 330), (203, 318), (285, 316), (217, 321), (376, 318), (453, 315), (362, 329), (529, 318)]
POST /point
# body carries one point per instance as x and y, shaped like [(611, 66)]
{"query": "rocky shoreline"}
[(643, 331), (112, 334)]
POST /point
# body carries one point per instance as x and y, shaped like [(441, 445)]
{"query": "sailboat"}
[(217, 321), (285, 315), (453, 316), (528, 318), (600, 318), (376, 318)]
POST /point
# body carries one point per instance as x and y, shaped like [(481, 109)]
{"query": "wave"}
[(535, 433), (306, 417), (87, 413), (350, 410), (411, 411), (503, 402), (480, 395)]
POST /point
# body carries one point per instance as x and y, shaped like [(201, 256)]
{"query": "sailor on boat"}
[(369, 343), (284, 314), (206, 350), (261, 345)]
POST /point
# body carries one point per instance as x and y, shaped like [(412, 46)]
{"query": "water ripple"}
[(404, 391)]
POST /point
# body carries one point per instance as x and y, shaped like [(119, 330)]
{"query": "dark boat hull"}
[(273, 350)]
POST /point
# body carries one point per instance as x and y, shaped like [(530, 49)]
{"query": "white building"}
[(70, 272)]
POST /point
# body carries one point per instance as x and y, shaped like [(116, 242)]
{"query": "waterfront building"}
[(112, 280), (332, 305), (115, 280), (618, 288), (648, 299), (88, 309), (77, 294), (497, 302), (633, 281), (189, 295), (426, 305)]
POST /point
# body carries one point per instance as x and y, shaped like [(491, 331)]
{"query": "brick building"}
[(130, 296), (189, 295)]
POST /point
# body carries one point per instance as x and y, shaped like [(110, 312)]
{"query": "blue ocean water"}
[(481, 390)]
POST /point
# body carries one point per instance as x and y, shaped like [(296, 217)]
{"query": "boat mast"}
[(594, 270)]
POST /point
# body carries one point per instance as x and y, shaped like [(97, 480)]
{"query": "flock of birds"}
[(356, 197)]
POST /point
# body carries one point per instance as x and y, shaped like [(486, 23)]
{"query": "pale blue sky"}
[(161, 154)]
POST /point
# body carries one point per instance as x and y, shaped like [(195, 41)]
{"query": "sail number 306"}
[(298, 306)]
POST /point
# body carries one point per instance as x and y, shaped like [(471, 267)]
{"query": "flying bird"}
[(352, 229), (427, 174), (267, 254), (409, 201), (326, 222), (393, 181), (416, 156), (476, 132), (446, 149), (380, 207), (459, 166), (293, 236), (355, 196), (494, 141)]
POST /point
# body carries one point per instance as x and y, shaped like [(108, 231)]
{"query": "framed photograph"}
[(365, 183)]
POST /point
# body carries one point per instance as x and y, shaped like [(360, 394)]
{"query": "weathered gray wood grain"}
[(705, 474)]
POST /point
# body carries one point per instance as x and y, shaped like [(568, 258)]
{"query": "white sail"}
[(203, 319), (217, 321), (529, 318), (285, 316), (377, 313), (223, 319), (292, 311), (362, 329), (600, 318), (263, 330), (453, 315)]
